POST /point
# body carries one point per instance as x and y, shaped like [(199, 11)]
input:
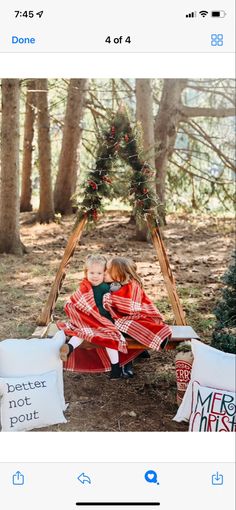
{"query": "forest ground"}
[(199, 249)]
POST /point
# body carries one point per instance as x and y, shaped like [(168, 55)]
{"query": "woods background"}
[(51, 129)]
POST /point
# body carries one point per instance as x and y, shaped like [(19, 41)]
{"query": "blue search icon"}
[(151, 476)]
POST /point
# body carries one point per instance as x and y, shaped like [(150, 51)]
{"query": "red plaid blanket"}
[(133, 312), (86, 322), (136, 315)]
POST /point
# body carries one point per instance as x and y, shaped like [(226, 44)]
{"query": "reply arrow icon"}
[(83, 478)]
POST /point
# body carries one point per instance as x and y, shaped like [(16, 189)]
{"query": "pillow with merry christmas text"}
[(213, 410), (212, 368)]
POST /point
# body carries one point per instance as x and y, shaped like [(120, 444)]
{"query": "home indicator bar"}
[(120, 504)]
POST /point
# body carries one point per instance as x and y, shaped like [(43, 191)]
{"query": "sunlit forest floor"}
[(199, 249)]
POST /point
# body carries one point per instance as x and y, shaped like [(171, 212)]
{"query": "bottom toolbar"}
[(67, 486)]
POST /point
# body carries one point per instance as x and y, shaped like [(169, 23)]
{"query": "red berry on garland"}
[(126, 137), (93, 185), (95, 214), (145, 190)]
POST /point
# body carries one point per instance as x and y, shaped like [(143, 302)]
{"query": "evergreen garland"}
[(224, 335), (119, 141)]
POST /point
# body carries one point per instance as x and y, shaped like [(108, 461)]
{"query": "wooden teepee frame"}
[(113, 141)]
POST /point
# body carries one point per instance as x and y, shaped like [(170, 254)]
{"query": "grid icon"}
[(217, 40)]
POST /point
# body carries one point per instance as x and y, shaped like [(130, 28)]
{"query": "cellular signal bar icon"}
[(192, 14)]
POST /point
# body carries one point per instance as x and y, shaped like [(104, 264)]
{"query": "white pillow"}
[(213, 410), (30, 402), (212, 368), (19, 357)]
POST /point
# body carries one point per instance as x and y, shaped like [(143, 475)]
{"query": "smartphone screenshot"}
[(117, 255)]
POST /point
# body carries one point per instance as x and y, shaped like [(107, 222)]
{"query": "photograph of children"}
[(117, 256)]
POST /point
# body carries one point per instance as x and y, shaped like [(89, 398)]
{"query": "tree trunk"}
[(68, 162), (46, 208), (26, 184), (9, 196), (144, 115), (166, 126)]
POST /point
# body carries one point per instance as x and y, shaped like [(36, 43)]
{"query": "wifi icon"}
[(203, 13)]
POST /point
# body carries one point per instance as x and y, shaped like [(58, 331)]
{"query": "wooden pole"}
[(47, 311), (167, 274)]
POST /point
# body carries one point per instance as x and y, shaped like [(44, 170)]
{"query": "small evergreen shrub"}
[(224, 335)]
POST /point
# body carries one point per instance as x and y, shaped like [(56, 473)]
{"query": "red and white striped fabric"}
[(87, 323), (136, 315), (96, 360), (133, 313)]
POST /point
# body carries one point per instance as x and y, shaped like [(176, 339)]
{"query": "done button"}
[(22, 40)]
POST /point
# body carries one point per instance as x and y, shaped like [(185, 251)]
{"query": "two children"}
[(110, 305), (91, 322)]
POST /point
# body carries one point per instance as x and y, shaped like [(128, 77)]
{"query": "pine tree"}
[(225, 331)]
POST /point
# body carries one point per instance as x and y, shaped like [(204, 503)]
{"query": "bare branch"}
[(215, 92), (183, 168), (195, 111), (222, 156)]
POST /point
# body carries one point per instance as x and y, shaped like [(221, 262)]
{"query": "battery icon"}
[(218, 14)]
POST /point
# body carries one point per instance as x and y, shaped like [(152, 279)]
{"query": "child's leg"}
[(68, 348), (113, 355), (116, 370), (75, 341)]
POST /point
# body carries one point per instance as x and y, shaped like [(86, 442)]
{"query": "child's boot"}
[(143, 355), (116, 371), (165, 342), (127, 370)]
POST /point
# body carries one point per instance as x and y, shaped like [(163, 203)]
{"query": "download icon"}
[(217, 479)]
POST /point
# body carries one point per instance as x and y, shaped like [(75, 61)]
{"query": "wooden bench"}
[(179, 334)]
